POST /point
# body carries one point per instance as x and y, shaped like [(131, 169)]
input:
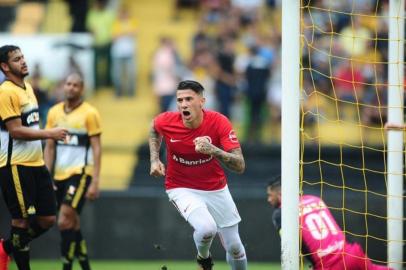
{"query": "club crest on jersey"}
[(71, 190), (31, 210), (232, 136), (207, 138), (33, 118), (72, 140)]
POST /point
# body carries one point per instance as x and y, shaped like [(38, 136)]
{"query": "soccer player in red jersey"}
[(197, 141), (323, 241)]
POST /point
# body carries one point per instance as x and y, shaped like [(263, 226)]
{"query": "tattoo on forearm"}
[(233, 160), (154, 144)]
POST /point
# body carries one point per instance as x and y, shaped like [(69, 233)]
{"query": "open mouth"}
[(186, 113)]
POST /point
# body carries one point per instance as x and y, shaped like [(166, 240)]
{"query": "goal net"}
[(349, 64)]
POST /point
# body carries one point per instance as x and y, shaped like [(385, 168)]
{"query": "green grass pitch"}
[(143, 265)]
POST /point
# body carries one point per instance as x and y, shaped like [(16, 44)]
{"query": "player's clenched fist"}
[(203, 145), (157, 169)]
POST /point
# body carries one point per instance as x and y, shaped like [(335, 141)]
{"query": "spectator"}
[(181, 4), (257, 75), (123, 53), (99, 22), (212, 10), (41, 93), (78, 10), (166, 64), (201, 68), (225, 75), (348, 82), (248, 10), (355, 38), (7, 14)]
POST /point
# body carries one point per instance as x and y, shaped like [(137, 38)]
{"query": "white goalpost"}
[(290, 133), (395, 138)]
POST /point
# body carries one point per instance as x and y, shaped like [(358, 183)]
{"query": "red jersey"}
[(185, 167)]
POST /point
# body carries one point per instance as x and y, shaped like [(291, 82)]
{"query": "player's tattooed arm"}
[(155, 139), (233, 160)]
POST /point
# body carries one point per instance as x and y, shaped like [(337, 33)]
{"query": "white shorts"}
[(219, 203)]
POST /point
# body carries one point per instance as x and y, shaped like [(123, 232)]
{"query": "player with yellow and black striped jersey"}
[(24, 180), (76, 166)]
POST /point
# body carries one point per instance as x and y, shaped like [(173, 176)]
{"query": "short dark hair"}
[(192, 85), (275, 183), (4, 51)]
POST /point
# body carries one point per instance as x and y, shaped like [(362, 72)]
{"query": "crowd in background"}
[(113, 30), (236, 53), (237, 49), (345, 55)]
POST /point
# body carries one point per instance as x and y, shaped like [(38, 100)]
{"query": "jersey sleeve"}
[(93, 123), (228, 138), (158, 122), (50, 119), (9, 105)]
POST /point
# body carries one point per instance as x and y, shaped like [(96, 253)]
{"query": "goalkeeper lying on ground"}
[(323, 241)]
